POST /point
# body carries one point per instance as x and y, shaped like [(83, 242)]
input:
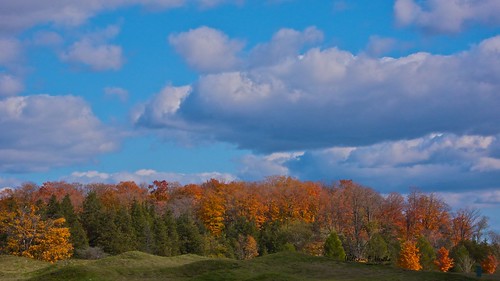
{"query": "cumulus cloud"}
[(94, 51), (41, 132), (446, 16), (434, 162), (147, 176), (117, 92), (284, 44), (254, 167), (330, 97), (11, 50), (162, 107), (380, 45), (10, 85), (18, 15), (207, 49), (47, 38)]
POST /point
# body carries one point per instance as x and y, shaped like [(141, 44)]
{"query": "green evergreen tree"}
[(190, 239), (53, 208), (172, 236), (161, 237), (427, 253), (270, 241), (108, 234), (78, 236), (141, 223), (463, 262), (377, 250), (125, 231), (333, 247), (91, 218)]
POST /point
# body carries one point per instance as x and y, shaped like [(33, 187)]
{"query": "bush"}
[(90, 253)]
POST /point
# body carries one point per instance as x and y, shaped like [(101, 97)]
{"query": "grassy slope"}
[(141, 266)]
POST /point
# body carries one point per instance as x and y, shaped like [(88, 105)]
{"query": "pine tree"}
[(53, 208), (142, 227), (377, 250), (427, 253), (190, 239), (125, 231), (78, 236), (333, 247), (172, 235), (409, 256), (91, 218), (161, 237)]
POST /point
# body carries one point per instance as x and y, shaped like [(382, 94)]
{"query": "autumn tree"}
[(54, 244), (246, 247), (443, 261), (30, 236), (463, 224), (489, 264), (409, 257)]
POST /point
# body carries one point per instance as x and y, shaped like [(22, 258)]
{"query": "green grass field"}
[(281, 266)]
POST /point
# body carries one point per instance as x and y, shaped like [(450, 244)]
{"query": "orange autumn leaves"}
[(409, 258), (280, 199), (30, 236)]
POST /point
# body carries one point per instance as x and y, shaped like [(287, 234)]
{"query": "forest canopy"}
[(242, 220)]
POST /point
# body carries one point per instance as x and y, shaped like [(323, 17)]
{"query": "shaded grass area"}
[(280, 266)]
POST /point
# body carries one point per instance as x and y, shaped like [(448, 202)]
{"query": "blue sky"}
[(392, 94)]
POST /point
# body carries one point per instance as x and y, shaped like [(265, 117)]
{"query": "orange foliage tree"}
[(409, 256), (30, 236), (443, 261), (490, 264)]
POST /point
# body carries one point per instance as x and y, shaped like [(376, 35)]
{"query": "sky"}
[(390, 93)]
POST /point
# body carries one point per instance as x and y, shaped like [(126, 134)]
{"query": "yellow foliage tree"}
[(30, 236), (53, 245), (443, 261), (409, 257)]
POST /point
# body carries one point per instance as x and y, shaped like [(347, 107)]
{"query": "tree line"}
[(344, 220)]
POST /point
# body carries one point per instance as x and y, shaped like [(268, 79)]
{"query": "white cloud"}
[(446, 16), (10, 50), (284, 44), (19, 15), (162, 106), (47, 38), (94, 51), (485, 164), (98, 57), (118, 92), (380, 45), (434, 162), (253, 167), (207, 49), (147, 176), (329, 97), (50, 131), (10, 85)]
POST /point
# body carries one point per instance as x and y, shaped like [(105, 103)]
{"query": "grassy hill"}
[(141, 266)]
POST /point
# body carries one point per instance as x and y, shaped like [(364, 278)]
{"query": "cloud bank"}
[(446, 16), (40, 132), (330, 97)]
